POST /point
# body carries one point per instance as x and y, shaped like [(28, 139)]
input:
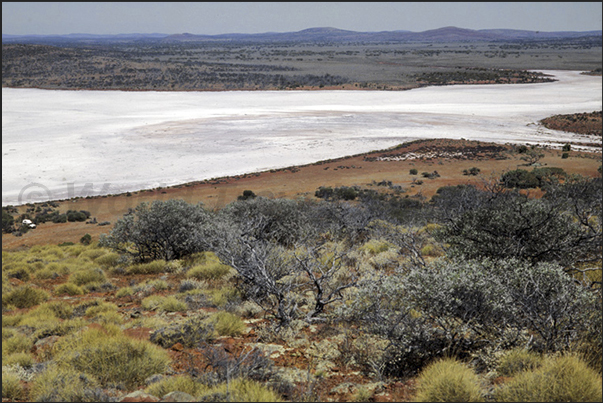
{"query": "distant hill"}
[(445, 34)]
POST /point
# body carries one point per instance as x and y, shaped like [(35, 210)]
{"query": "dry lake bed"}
[(60, 144)]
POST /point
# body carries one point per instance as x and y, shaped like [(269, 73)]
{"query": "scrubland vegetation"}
[(479, 294), (285, 65)]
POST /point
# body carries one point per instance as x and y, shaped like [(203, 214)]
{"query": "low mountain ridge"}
[(318, 34)]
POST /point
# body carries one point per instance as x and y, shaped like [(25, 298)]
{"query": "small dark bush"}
[(86, 239), (247, 194)]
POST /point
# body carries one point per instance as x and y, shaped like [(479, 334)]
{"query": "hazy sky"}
[(219, 18)]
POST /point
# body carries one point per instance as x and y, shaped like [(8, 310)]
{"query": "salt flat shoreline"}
[(60, 144)]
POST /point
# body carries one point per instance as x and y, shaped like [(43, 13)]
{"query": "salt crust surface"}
[(59, 144)]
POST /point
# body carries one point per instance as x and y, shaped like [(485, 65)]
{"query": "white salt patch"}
[(59, 144)]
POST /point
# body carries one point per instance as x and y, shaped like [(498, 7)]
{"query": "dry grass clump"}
[(559, 379), (154, 267), (92, 254), (209, 271), (219, 297), (108, 260), (124, 291), (11, 387), (448, 380), (518, 360), (23, 359), (164, 304), (60, 384), (68, 289), (190, 333), (57, 309), (87, 276), (240, 390), (227, 324), (170, 384), (110, 356), (24, 296)]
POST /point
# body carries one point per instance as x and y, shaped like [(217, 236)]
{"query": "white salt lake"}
[(60, 144)]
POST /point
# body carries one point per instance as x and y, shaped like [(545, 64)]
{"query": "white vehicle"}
[(29, 223)]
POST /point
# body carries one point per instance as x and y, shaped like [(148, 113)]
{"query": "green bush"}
[(559, 379), (86, 239), (519, 178), (111, 356), (448, 380), (413, 171), (24, 296)]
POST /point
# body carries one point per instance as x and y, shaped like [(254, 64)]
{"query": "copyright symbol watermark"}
[(34, 192)]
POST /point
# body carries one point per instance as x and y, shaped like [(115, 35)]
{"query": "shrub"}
[(86, 239), (24, 296), (413, 171), (559, 379), (165, 230), (247, 194), (111, 356), (565, 156), (472, 171), (69, 289), (448, 380), (519, 178), (518, 360)]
